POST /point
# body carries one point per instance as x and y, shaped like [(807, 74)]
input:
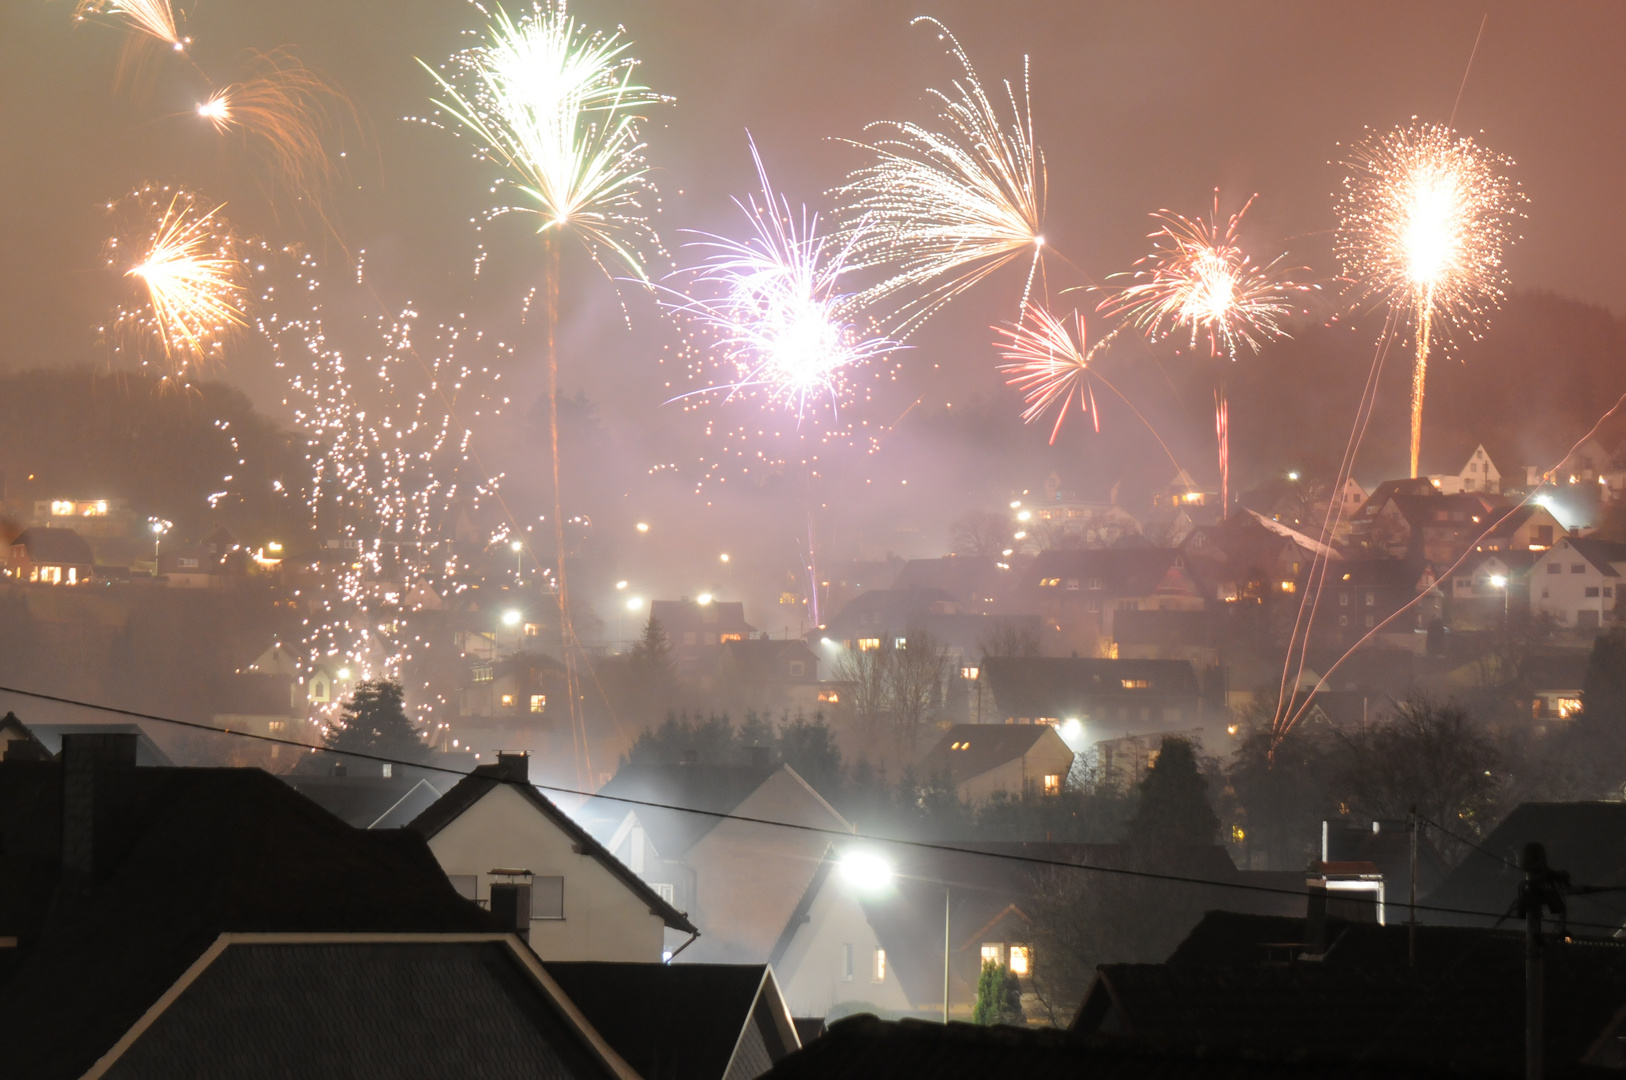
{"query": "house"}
[(99, 519), (1531, 527), (50, 556), (1555, 680), (1478, 474), (1078, 593), (1068, 519), (218, 562), (182, 922), (1411, 519), (763, 675), (693, 625), (494, 829), (51, 737), (1574, 582), (1107, 697), (679, 828), (1587, 839), (1232, 985), (1359, 595), (18, 743), (881, 614), (515, 687), (981, 759), (684, 1021), (973, 581)]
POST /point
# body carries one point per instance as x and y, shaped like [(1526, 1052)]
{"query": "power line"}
[(926, 845)]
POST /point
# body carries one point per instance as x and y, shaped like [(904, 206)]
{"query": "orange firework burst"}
[(284, 111), (1198, 278), (1050, 363), (191, 273), (1422, 224), (155, 18)]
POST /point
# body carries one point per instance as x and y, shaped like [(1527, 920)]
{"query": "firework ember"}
[(155, 18), (1050, 363), (1423, 221)]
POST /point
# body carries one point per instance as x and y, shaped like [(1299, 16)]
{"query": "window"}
[(548, 898), (186, 563), (1049, 582), (798, 668), (847, 963), (1371, 621), (1577, 568), (1092, 605), (1544, 594), (1095, 583), (1554, 568), (1289, 586), (968, 673), (1343, 598), (664, 890), (389, 770), (993, 953), (865, 644), (1021, 960), (532, 629), (1371, 599), (1136, 684), (507, 701), (1052, 783), (1464, 583), (276, 726), (482, 672), (878, 972), (1591, 591), (1072, 584), (1343, 620), (900, 643), (539, 702)]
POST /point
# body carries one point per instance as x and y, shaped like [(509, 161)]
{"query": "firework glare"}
[(939, 210), (1198, 279), (782, 322), (1423, 220), (552, 103), (155, 18), (190, 267), (1050, 364)]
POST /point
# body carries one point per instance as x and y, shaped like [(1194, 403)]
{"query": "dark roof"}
[(1466, 1013), (1062, 687), (970, 579), (147, 751), (671, 1021), (967, 750), (419, 797), (344, 1009), (691, 796), (1600, 553), (183, 856), (755, 660), (359, 800), (55, 546), (1557, 671), (1588, 839), (862, 1047), (893, 608), (1121, 571), (485, 778)]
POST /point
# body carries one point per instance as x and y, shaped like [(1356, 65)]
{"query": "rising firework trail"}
[(1198, 280), (1423, 221), (776, 305), (551, 103), (944, 207), (191, 272)]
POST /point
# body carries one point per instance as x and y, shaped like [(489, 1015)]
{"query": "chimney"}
[(88, 763), (514, 766)]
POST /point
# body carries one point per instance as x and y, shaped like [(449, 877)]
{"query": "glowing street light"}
[(643, 526), (511, 618), (723, 556), (704, 598), (866, 871), (621, 584), (635, 603)]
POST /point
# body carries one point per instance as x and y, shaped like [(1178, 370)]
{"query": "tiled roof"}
[(55, 546), (1061, 687), (672, 1021), (485, 778), (967, 750)]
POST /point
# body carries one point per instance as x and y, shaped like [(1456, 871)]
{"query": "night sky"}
[(1136, 106)]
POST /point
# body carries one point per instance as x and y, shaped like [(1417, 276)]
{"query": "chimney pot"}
[(514, 765)]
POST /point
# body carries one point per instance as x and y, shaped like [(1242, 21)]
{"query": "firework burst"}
[(1197, 278), (1049, 362), (782, 321), (1423, 221), (942, 209), (155, 18), (191, 271), (553, 105)]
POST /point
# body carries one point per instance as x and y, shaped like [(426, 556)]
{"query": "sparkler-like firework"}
[(1199, 279), (782, 321), (191, 270), (943, 209), (1050, 363), (1423, 220), (553, 104), (283, 111), (155, 18)]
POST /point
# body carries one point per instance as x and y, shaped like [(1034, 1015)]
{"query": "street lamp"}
[(159, 528), (519, 559), (511, 617), (1499, 581)]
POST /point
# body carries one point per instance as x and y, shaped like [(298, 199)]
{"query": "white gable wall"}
[(604, 919), (813, 971)]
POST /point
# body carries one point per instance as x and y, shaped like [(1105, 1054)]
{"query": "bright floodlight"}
[(635, 603), (1071, 730), (866, 870), (643, 526), (621, 584), (1498, 581), (724, 556), (510, 618), (704, 598), (516, 546)]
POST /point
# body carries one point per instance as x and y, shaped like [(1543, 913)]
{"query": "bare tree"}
[(1009, 639), (918, 667), (868, 675), (981, 532)]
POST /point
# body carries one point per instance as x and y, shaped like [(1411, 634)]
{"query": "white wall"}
[(604, 919), (812, 971), (1563, 593)]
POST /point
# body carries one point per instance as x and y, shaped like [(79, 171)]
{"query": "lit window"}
[(865, 644), (1052, 784), (968, 673), (539, 702), (900, 643), (1567, 707), (389, 770), (532, 629), (728, 637), (664, 890), (879, 973), (61, 509), (507, 700), (831, 697), (1021, 962), (1072, 584), (1288, 586), (1136, 684), (993, 953)]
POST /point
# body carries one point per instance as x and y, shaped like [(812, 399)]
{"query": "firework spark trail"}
[(192, 273), (1424, 218), (1049, 364), (155, 18), (943, 209), (552, 103), (284, 111), (780, 318)]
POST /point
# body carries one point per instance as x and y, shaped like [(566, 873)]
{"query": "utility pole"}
[(1411, 923), (1542, 888), (946, 893)]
